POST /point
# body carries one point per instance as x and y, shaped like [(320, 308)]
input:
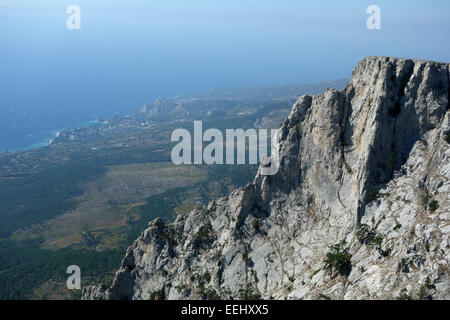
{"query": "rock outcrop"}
[(360, 207)]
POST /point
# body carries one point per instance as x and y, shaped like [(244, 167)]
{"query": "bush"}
[(204, 232), (364, 234), (217, 255), (248, 293), (406, 263), (208, 293), (424, 293), (367, 236), (403, 265), (314, 273), (338, 260), (425, 198), (376, 243), (181, 287), (157, 295), (203, 236), (404, 295), (433, 206)]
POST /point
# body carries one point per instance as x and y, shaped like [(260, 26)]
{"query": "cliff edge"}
[(360, 207)]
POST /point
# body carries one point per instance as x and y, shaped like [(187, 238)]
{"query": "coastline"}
[(45, 138)]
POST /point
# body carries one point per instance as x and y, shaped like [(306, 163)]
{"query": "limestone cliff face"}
[(365, 170)]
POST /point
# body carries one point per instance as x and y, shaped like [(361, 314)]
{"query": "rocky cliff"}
[(358, 210)]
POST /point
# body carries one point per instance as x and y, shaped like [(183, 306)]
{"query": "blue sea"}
[(128, 53), (30, 127), (29, 135)]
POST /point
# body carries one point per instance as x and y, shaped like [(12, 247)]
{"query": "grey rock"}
[(366, 154)]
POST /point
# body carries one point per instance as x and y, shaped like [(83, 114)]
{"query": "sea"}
[(27, 126), (53, 77), (21, 131)]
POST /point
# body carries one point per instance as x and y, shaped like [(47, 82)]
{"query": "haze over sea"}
[(127, 53)]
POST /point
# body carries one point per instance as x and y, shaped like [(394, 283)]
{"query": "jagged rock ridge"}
[(365, 170)]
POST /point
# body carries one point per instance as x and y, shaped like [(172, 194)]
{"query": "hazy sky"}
[(129, 52)]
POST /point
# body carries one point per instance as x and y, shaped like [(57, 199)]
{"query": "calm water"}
[(127, 53)]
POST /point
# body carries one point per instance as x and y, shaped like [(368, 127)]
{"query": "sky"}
[(127, 53)]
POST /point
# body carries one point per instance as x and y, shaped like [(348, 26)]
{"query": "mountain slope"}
[(358, 210)]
